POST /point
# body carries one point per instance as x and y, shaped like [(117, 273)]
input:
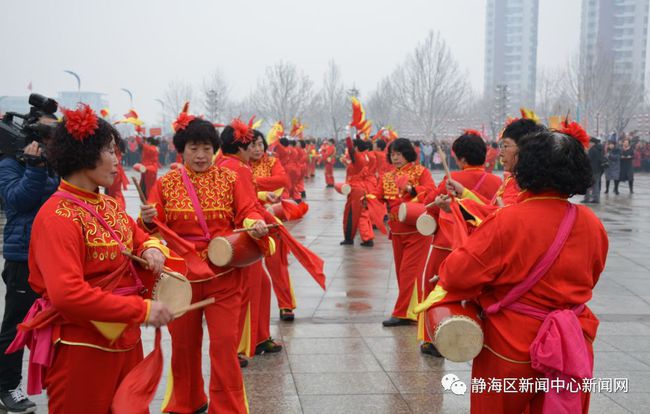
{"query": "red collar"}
[(92, 196)]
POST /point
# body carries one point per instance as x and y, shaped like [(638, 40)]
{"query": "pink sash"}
[(39, 341), (480, 181), (559, 350), (197, 208)]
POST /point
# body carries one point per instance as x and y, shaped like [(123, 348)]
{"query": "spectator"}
[(626, 170), (598, 164), (427, 152), (24, 187), (614, 166)]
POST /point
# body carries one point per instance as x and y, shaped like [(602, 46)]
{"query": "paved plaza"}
[(337, 357)]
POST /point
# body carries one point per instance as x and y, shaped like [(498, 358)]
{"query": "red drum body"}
[(456, 330), (234, 250), (343, 188), (277, 210), (408, 213)]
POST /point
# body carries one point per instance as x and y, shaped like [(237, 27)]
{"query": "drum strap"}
[(108, 228), (480, 181), (197, 205)]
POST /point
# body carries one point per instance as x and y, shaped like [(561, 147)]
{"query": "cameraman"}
[(24, 187)]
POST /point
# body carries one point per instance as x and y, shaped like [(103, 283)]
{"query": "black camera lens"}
[(47, 105)]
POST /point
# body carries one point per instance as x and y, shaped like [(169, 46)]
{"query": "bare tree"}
[(381, 105), (215, 92), (428, 86), (550, 93), (176, 94), (332, 101), (283, 93), (625, 100)]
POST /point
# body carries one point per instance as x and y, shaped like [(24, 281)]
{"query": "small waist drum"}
[(456, 330)]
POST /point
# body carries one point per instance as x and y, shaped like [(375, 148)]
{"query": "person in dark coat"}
[(614, 169), (627, 172), (598, 161)]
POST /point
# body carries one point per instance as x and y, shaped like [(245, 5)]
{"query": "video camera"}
[(39, 123)]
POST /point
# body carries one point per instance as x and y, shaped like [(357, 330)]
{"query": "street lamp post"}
[(78, 78), (128, 92)]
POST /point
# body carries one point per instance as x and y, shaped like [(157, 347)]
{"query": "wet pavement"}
[(337, 358)]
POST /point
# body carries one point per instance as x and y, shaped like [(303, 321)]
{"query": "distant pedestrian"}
[(614, 166), (626, 170)]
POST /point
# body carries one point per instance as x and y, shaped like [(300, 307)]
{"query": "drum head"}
[(346, 189), (426, 225), (459, 338), (220, 251), (401, 213), (174, 293)]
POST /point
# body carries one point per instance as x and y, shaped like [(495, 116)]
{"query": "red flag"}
[(138, 388), (308, 259)]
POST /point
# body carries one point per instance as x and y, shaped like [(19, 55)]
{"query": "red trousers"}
[(356, 216), (409, 252), (278, 268), (255, 315), (185, 389), (488, 365), (329, 173), (84, 380)]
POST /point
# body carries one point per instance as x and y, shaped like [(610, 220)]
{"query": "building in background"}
[(616, 31), (511, 51)]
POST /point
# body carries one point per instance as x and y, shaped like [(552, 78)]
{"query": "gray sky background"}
[(143, 45)]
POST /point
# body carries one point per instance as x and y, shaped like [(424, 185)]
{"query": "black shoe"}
[(243, 362), (268, 347), (329, 186), (393, 321), (429, 349), (368, 243), (346, 242), (202, 410), (15, 401), (286, 315), (303, 194)]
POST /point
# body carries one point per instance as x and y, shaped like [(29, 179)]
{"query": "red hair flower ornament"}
[(243, 132), (574, 130), (184, 118), (81, 122)]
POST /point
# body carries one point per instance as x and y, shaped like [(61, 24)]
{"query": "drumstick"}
[(143, 262), (195, 305), (443, 159), (270, 226), (143, 199), (434, 279)]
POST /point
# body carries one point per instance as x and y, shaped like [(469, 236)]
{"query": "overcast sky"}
[(143, 45)]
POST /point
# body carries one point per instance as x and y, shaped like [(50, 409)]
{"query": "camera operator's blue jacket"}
[(23, 190)]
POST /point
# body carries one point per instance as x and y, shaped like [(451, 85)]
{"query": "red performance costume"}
[(408, 245), (150, 161), (497, 257), (270, 176), (479, 182), (77, 267), (254, 319), (328, 156), (355, 214), (225, 203)]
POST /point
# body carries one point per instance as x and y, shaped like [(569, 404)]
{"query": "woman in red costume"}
[(270, 177), (533, 278), (121, 181), (409, 182), (84, 331), (149, 165), (189, 206), (255, 318), (355, 214), (327, 152), (469, 151)]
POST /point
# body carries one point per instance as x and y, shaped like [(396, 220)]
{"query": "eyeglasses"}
[(506, 146)]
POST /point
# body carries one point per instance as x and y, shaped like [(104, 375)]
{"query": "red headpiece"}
[(243, 132), (575, 130), (80, 122), (184, 118), (472, 132)]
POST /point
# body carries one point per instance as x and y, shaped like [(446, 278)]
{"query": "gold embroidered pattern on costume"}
[(214, 189), (263, 167), (414, 171), (100, 245)]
